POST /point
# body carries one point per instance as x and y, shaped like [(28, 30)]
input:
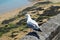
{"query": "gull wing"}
[(32, 24)]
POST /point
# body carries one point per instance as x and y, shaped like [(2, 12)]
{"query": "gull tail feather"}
[(39, 30)]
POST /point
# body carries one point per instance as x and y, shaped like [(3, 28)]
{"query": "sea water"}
[(7, 5)]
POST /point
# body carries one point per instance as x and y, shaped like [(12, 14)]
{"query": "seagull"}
[(32, 23)]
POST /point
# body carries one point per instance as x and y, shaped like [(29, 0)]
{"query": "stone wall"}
[(50, 30), (57, 37)]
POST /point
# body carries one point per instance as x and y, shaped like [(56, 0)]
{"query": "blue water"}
[(7, 5)]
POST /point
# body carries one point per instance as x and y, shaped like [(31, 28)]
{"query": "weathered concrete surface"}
[(49, 30), (29, 38), (56, 19), (57, 37)]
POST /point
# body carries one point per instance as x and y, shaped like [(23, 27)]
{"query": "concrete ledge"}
[(57, 37), (50, 29), (31, 36)]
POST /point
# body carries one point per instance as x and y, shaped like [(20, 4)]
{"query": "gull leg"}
[(31, 29)]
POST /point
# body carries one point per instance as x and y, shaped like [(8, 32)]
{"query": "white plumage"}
[(32, 23)]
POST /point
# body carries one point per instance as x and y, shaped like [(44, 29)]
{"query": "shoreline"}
[(12, 13)]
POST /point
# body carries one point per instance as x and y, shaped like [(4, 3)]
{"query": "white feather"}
[(29, 20)]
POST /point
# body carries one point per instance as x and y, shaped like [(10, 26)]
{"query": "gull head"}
[(27, 16)]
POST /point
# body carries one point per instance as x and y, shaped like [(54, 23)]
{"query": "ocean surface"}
[(7, 5)]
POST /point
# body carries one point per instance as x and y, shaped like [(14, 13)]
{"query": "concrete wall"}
[(50, 30)]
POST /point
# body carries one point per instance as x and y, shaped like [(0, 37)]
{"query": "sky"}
[(6, 5)]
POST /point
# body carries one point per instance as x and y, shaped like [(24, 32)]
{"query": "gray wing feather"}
[(32, 25)]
